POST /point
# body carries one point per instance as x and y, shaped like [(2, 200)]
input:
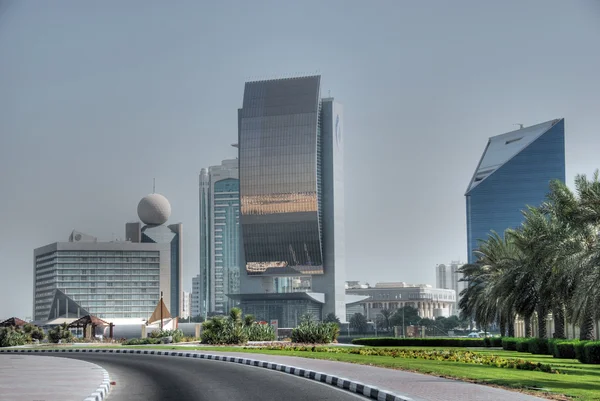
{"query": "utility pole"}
[(161, 308), (403, 327)]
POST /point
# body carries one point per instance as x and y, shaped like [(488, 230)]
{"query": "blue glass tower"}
[(515, 171)]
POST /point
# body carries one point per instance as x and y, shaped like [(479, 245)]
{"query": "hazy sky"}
[(97, 98)]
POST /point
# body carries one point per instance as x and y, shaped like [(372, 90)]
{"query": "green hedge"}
[(510, 343), (592, 352), (539, 346), (579, 351), (419, 342), (523, 344), (564, 349)]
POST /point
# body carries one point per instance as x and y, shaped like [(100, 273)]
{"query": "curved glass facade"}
[(514, 172), (279, 176)]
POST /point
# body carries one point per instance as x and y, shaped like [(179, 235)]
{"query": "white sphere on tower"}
[(154, 209)]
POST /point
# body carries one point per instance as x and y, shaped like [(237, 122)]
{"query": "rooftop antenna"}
[(154, 185), (329, 93), (520, 125)]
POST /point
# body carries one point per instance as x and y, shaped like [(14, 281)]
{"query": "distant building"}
[(219, 237), (186, 305), (449, 277), (196, 294), (292, 202), (154, 211), (515, 171), (430, 302), (107, 279)]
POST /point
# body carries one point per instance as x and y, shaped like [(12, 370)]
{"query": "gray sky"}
[(96, 99)]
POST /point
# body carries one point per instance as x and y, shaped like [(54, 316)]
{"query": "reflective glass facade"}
[(279, 142), (107, 283), (226, 242), (515, 171)]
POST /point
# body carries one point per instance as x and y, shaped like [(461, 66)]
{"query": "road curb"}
[(340, 382), (97, 395)]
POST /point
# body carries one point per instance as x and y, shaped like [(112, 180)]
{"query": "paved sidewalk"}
[(43, 378), (417, 386)]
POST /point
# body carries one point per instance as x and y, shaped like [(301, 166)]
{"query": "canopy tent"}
[(93, 322), (160, 313), (13, 322)]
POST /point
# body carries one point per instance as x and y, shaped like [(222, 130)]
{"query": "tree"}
[(406, 315), (358, 322), (331, 318), (429, 324), (197, 319), (386, 315)]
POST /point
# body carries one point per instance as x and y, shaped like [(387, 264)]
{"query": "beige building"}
[(430, 302)]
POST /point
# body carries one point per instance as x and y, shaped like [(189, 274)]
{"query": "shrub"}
[(315, 332), (539, 346), (177, 334), (509, 343), (221, 330), (523, 344), (12, 337), (33, 332), (419, 342), (492, 341), (60, 333), (141, 341), (592, 352), (564, 349), (580, 352), (260, 332)]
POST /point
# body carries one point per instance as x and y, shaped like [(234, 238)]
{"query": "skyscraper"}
[(514, 171), (292, 205), (449, 277), (154, 211), (196, 291), (219, 236)]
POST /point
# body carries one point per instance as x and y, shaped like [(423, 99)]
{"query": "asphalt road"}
[(155, 377)]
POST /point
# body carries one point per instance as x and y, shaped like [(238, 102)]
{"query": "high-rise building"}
[(292, 202), (195, 308), (154, 211), (111, 280), (449, 277), (515, 171), (186, 304), (219, 236)]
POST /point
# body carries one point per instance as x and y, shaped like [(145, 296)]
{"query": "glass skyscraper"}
[(515, 171), (291, 193), (219, 237)]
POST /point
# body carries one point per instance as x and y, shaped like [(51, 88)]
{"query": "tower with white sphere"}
[(154, 210)]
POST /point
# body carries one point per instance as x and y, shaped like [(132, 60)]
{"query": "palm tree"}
[(386, 314)]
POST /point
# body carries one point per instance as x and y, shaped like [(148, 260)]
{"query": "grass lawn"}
[(576, 380)]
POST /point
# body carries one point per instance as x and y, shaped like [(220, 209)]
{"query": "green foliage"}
[(225, 330), (523, 344), (509, 343), (141, 341), (580, 351), (12, 337), (592, 352), (492, 341), (406, 315), (564, 349), (260, 332), (419, 342), (461, 356), (60, 334), (33, 332), (315, 332), (539, 346), (331, 318), (358, 322), (177, 334)]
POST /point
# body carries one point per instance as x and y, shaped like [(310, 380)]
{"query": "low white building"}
[(430, 302)]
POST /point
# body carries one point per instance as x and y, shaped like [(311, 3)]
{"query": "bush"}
[(221, 330), (177, 334), (492, 341), (539, 346), (142, 341), (33, 332), (580, 352), (523, 344), (564, 349), (419, 342), (12, 337), (592, 352), (315, 332), (509, 343), (60, 333), (260, 332)]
